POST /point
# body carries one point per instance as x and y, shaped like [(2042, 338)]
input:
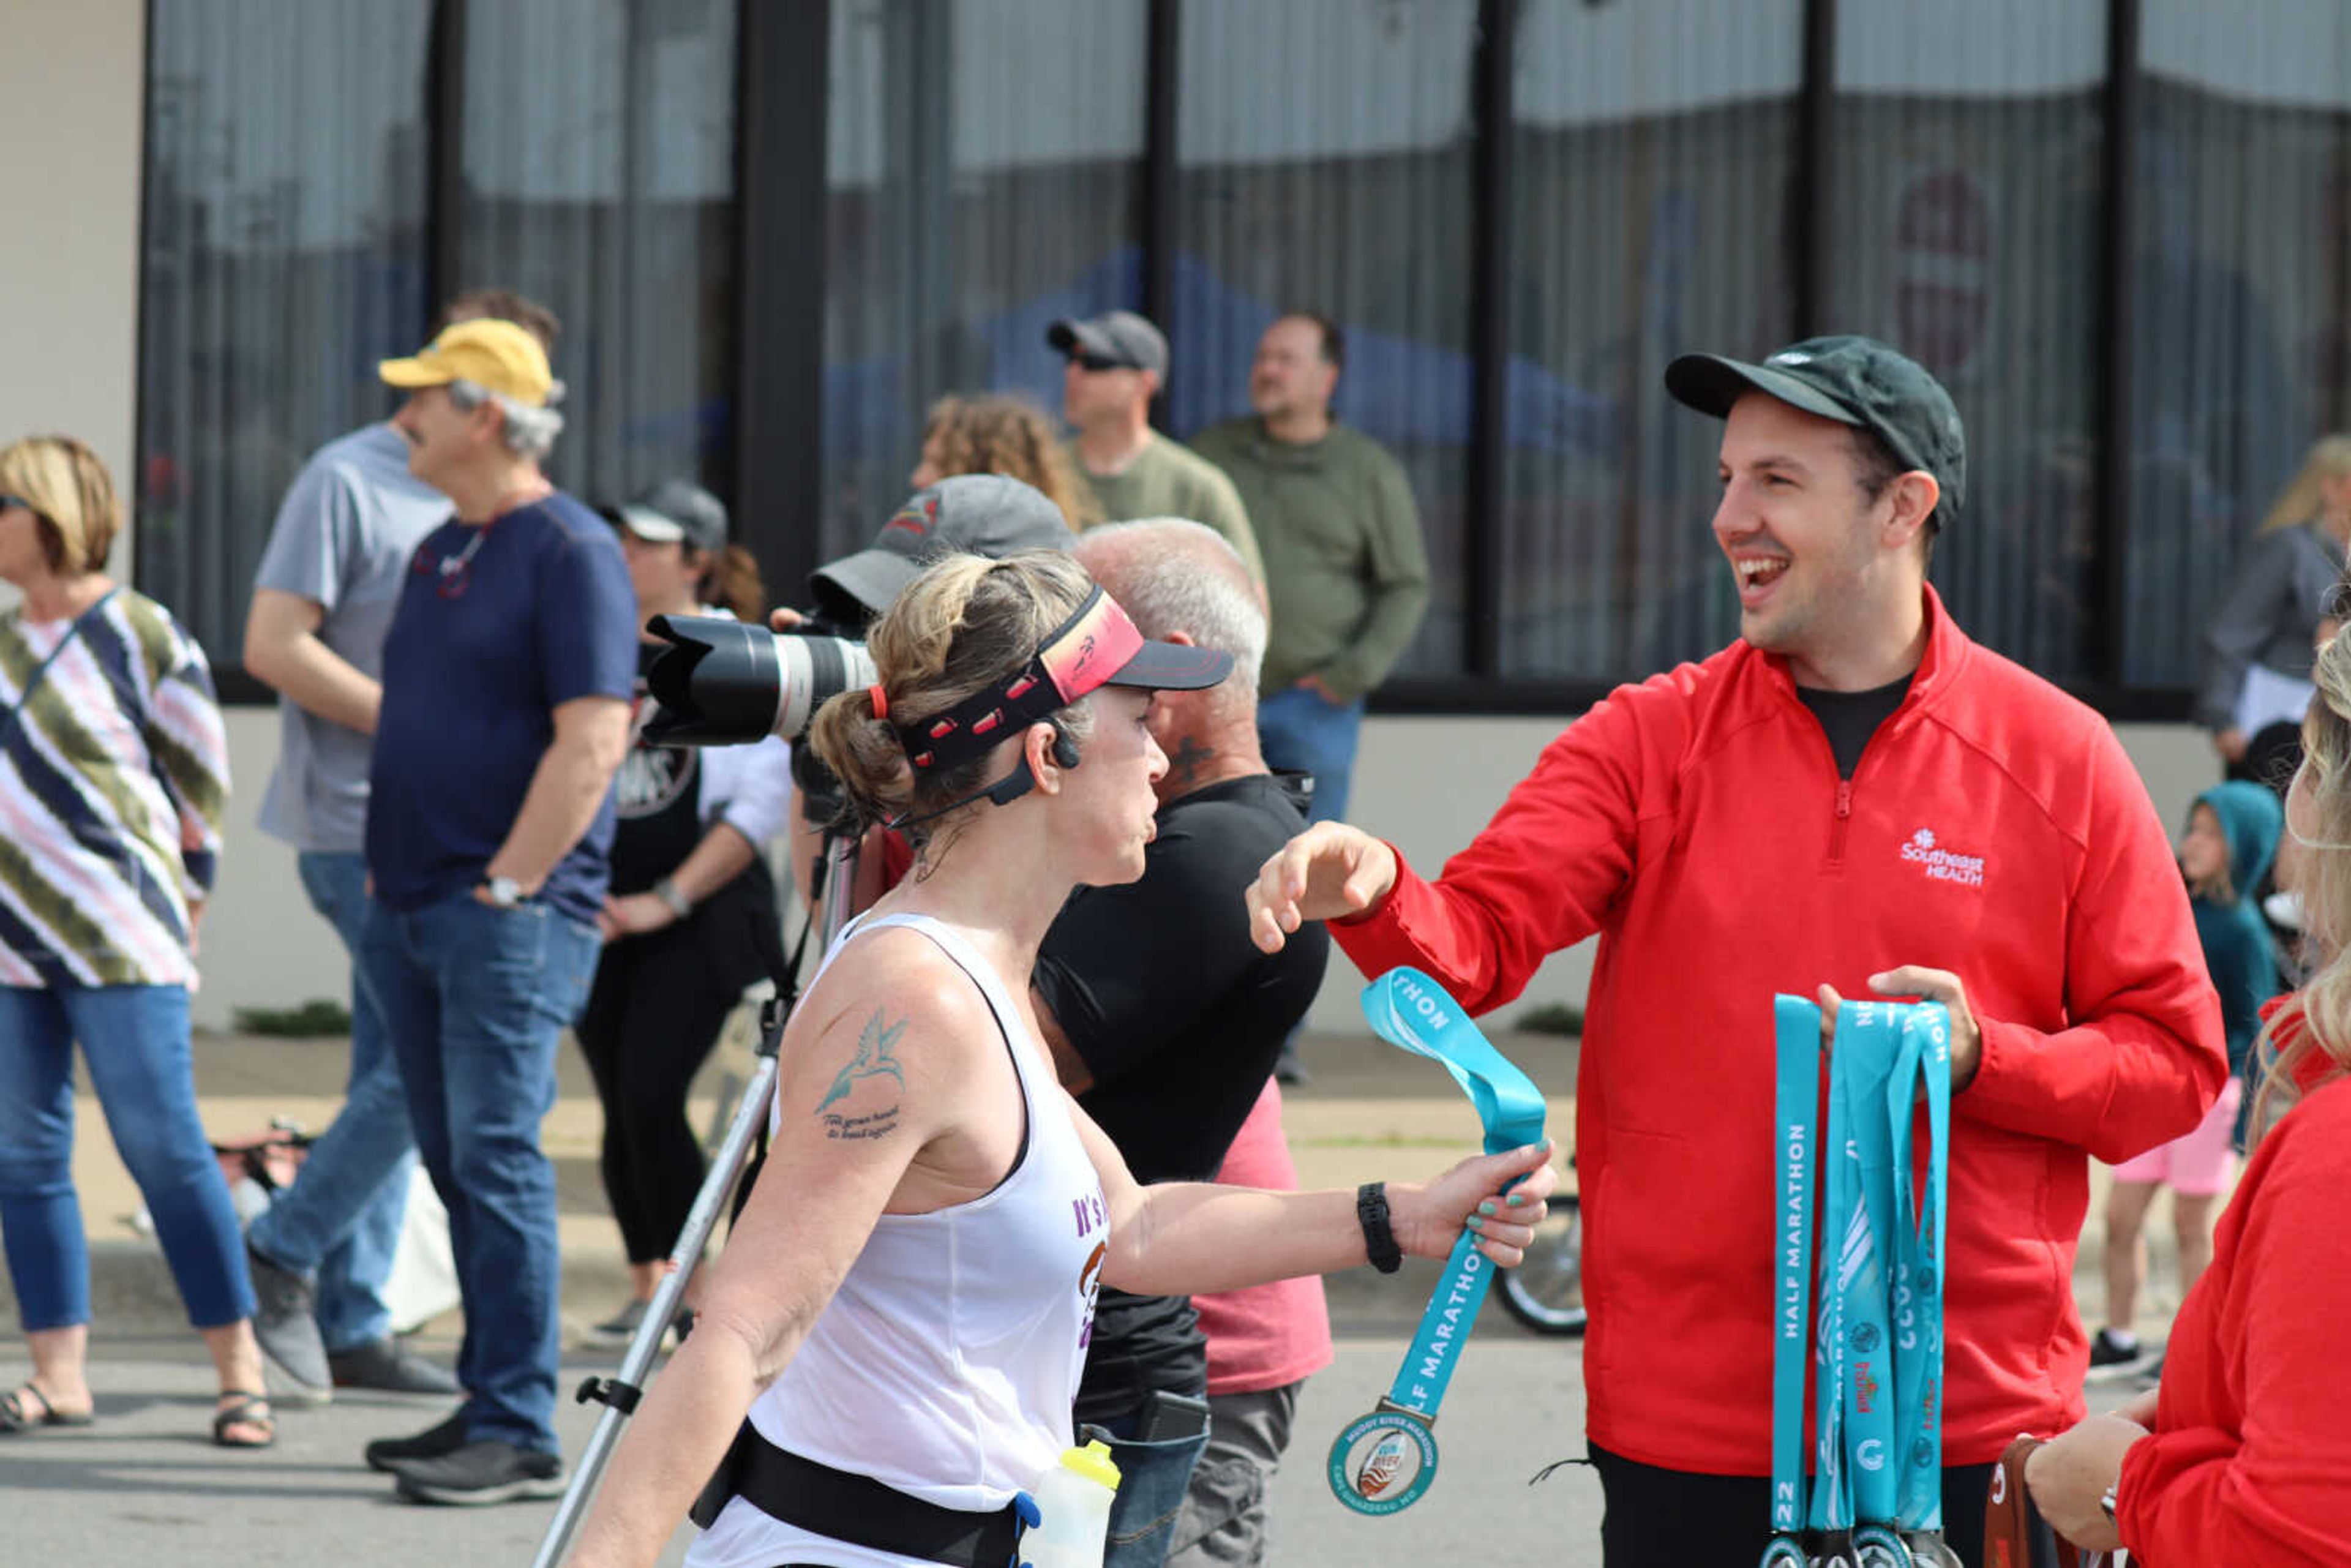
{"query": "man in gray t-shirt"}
[(342, 543), (322, 602)]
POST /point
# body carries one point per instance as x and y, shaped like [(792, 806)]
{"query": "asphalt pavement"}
[(144, 1486)]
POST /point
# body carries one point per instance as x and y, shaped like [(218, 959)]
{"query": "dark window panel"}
[(1967, 136), (1324, 162), (598, 179), (984, 177), (1653, 200), (282, 256), (2242, 259)]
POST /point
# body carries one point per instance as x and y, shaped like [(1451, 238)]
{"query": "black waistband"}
[(857, 1509)]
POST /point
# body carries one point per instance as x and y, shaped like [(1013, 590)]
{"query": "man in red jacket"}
[(1852, 797)]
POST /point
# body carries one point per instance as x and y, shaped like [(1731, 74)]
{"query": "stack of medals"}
[(1877, 1485)]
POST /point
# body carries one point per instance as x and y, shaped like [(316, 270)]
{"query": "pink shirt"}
[(1267, 1336)]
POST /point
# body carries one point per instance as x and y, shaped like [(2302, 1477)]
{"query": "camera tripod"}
[(830, 889)]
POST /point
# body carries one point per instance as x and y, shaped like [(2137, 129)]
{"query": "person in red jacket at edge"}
[(2242, 1455), (1851, 798)]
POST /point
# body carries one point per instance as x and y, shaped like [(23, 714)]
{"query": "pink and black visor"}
[(1097, 646)]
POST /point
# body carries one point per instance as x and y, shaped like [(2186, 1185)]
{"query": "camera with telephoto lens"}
[(723, 682)]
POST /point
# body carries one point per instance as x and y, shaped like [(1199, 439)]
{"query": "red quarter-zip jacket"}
[(2250, 1450), (1993, 828)]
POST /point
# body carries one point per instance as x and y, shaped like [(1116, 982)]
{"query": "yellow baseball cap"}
[(497, 356)]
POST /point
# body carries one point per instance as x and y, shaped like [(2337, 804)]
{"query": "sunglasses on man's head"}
[(1096, 363)]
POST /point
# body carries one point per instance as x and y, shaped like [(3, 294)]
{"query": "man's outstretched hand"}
[(1328, 872)]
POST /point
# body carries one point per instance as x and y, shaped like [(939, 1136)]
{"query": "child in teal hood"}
[(2230, 838), (2237, 944)]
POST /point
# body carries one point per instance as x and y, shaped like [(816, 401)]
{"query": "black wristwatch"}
[(1372, 1214)]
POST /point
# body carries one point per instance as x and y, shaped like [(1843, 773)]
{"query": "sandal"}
[(16, 1416), (241, 1408)]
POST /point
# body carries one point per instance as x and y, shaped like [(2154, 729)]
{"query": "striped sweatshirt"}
[(113, 775)]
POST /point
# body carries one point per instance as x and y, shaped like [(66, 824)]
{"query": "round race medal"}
[(1929, 1549), (1383, 1461), (1785, 1551), (1875, 1546)]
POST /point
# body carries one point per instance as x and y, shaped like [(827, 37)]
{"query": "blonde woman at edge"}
[(2241, 1455), (114, 774), (2257, 643), (907, 1298)]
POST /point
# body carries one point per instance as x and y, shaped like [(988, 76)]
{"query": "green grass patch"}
[(1550, 1018), (313, 1018)]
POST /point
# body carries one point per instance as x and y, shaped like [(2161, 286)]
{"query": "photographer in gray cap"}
[(691, 900), (1117, 363), (976, 514)]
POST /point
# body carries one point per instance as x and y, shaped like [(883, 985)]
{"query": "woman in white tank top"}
[(907, 1295)]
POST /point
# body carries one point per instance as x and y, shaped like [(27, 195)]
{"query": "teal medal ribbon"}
[(1831, 1516), (1383, 1462), (1923, 1057), (1860, 1229), (1795, 1138), (1877, 1495)]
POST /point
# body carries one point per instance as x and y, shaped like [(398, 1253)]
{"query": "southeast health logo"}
[(1926, 852)]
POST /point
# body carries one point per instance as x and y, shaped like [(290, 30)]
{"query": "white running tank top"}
[(947, 1362)]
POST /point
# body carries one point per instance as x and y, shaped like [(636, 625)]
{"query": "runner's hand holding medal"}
[(1383, 1462)]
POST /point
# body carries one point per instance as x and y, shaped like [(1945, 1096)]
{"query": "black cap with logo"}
[(980, 514), (1113, 341), (1855, 381)]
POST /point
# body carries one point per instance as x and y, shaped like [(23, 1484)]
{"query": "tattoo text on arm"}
[(875, 1059)]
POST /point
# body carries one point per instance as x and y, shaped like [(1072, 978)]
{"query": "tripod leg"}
[(620, 1394)]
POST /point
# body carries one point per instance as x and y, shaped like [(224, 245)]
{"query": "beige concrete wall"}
[(71, 87), (262, 944)]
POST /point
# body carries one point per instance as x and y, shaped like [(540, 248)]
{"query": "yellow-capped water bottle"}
[(1074, 1498)]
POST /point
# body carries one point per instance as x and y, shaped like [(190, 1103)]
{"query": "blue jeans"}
[(341, 1219), (135, 1039), (474, 998), (1301, 732), (1153, 1479)]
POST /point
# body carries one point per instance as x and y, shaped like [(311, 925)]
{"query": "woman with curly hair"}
[(1002, 435)]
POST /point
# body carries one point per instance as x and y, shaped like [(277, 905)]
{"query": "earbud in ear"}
[(1065, 748)]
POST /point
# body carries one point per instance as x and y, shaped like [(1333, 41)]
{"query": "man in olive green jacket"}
[(1345, 569), (1116, 362)]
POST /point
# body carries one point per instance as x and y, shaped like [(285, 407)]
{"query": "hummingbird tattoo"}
[(872, 1059)]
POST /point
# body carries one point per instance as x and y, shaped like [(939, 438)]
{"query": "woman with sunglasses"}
[(904, 1308), (113, 772)]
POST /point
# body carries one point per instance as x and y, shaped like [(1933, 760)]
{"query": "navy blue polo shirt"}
[(477, 660)]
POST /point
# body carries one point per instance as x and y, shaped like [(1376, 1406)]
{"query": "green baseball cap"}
[(1855, 381)]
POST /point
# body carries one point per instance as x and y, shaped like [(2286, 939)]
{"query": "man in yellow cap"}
[(506, 678), (322, 600)]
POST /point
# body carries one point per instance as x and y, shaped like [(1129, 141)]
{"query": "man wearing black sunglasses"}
[(1116, 362)]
